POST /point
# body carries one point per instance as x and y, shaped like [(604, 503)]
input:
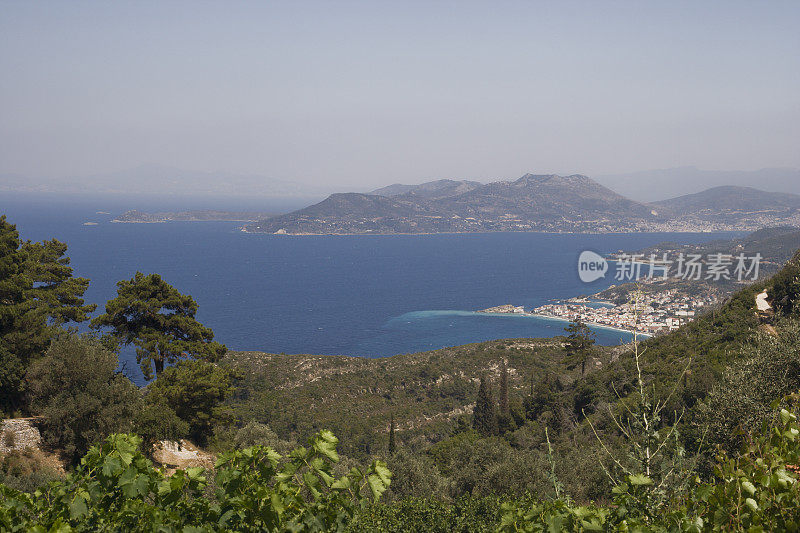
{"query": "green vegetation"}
[(681, 432), (77, 389), (484, 416), (580, 340), (151, 314), (37, 295), (194, 391), (116, 488)]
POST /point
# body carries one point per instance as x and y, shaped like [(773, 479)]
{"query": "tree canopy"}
[(580, 340), (484, 416), (37, 294), (195, 391), (80, 394), (155, 317)]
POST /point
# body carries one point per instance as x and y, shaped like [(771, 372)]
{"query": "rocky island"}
[(135, 216)]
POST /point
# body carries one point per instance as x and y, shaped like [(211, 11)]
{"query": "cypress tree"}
[(503, 400), (504, 420), (392, 445), (484, 418)]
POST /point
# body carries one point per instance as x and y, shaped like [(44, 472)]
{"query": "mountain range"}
[(574, 203), (163, 180), (654, 185), (643, 186)]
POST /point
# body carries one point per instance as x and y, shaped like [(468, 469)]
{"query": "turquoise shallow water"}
[(368, 296)]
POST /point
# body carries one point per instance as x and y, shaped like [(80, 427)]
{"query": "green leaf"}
[(126, 458), (327, 478), (326, 445), (376, 485), (195, 472), (277, 503), (111, 466), (142, 485), (749, 487), (78, 507), (383, 472), (343, 483), (639, 480)]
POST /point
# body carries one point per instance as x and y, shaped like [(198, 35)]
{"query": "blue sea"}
[(369, 296)]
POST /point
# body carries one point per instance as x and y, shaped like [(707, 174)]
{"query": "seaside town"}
[(654, 313)]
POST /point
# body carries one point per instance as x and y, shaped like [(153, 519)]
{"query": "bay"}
[(367, 295)]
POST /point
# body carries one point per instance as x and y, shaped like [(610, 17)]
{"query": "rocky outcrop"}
[(181, 454), (19, 434)]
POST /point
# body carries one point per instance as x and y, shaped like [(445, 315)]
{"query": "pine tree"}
[(155, 317), (484, 417), (392, 445), (57, 295), (19, 327), (579, 342)]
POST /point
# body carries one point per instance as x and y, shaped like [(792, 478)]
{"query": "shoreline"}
[(243, 230), (565, 320), (590, 323)]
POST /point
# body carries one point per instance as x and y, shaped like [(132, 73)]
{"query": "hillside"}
[(576, 204), (550, 198), (432, 189), (654, 185), (428, 392), (730, 204), (530, 203), (775, 244), (425, 392)]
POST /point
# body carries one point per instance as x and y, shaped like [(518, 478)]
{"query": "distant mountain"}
[(157, 179), (652, 185), (730, 204), (531, 203), (432, 189), (204, 215), (549, 198)]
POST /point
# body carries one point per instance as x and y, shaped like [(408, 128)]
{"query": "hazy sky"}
[(376, 92)]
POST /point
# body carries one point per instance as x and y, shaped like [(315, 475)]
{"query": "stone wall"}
[(18, 434)]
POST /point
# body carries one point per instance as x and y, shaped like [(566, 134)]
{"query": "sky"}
[(370, 93)]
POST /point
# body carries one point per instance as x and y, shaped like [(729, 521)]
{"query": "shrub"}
[(116, 488), (80, 394), (195, 391)]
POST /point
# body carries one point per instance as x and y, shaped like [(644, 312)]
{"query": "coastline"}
[(598, 325), (546, 232), (590, 323)]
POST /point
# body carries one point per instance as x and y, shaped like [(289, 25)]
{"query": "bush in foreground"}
[(754, 491), (116, 488)]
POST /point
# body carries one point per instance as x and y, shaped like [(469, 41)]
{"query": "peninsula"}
[(541, 203)]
